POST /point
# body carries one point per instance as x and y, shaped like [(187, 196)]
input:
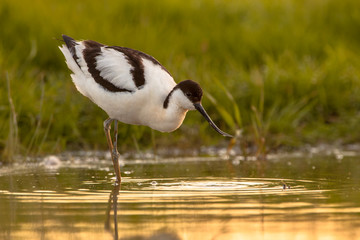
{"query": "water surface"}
[(182, 198)]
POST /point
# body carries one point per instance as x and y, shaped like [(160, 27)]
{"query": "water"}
[(188, 198)]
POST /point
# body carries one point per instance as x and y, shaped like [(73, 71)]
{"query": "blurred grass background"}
[(285, 72)]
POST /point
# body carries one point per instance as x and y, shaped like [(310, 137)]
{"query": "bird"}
[(132, 87)]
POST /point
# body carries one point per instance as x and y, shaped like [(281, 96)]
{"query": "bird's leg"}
[(115, 153), (107, 127), (114, 157)]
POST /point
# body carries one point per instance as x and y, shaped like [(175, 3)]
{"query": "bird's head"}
[(188, 94)]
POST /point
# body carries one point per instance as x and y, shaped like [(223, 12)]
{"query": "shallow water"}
[(182, 198)]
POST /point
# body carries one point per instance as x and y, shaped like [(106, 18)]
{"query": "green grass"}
[(285, 72)]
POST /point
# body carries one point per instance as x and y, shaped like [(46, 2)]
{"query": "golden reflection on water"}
[(171, 203), (191, 210)]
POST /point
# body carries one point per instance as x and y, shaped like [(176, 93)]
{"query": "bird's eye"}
[(188, 94)]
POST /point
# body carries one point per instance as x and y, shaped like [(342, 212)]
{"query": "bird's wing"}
[(117, 69)]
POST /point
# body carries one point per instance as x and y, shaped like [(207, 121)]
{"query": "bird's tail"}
[(71, 44), (69, 51)]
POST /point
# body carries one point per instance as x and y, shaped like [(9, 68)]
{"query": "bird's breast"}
[(166, 123)]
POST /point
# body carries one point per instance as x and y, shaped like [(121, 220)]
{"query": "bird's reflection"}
[(112, 205), (163, 233)]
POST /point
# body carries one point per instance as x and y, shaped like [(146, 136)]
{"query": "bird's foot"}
[(117, 182)]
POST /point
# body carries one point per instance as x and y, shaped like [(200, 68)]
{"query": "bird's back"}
[(122, 81)]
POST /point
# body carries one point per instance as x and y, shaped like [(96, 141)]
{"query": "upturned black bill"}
[(200, 108)]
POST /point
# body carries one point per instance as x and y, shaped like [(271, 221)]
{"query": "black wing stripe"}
[(134, 59), (91, 51)]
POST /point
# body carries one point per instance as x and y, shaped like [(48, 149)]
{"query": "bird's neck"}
[(173, 117)]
